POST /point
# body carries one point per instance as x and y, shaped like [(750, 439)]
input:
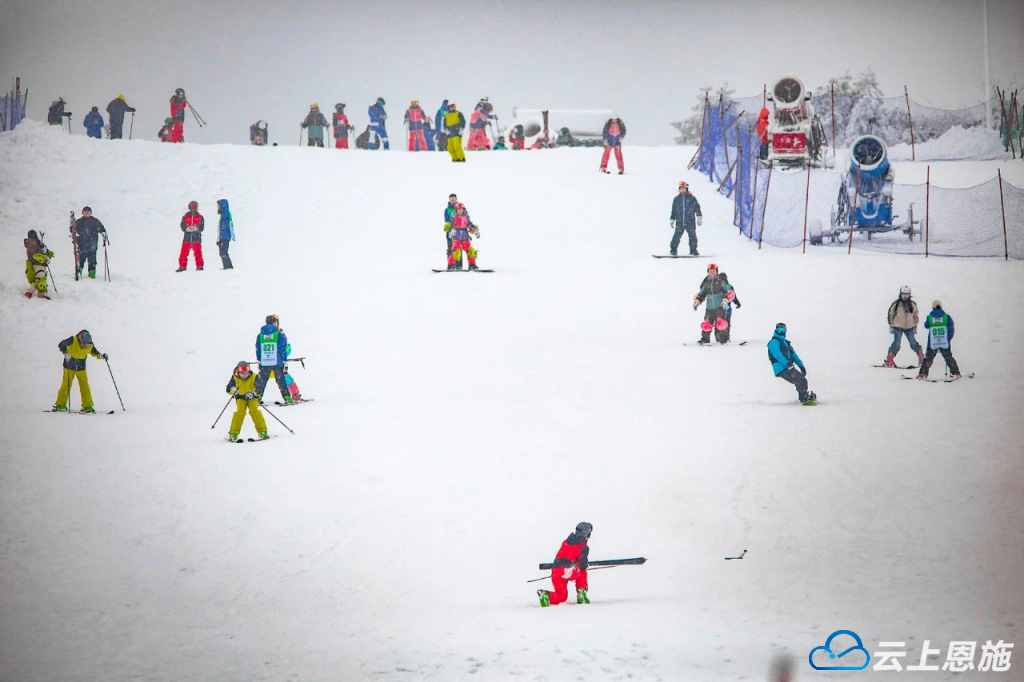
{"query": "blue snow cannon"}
[(870, 178)]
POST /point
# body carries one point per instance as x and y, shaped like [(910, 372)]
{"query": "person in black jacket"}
[(685, 218), (86, 234), (116, 110)]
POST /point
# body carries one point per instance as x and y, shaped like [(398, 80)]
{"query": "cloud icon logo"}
[(838, 646)]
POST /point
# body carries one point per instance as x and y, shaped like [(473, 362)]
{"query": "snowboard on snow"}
[(715, 343), (479, 270), (668, 255)]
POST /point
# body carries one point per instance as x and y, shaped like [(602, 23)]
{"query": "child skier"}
[(716, 291), (76, 349), (244, 386), (940, 334), (783, 358), (37, 258), (449, 212), (460, 228), (572, 561), (272, 350), (192, 226)]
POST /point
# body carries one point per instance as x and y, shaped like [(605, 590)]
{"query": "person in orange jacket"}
[(572, 561), (762, 133)]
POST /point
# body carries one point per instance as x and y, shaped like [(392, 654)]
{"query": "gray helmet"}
[(84, 338), (584, 529)]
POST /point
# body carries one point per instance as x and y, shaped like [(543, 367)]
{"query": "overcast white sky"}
[(240, 61)]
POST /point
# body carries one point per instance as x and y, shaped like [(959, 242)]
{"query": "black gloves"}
[(737, 302), (804, 370)]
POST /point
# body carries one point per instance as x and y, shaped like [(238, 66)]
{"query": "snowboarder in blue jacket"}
[(93, 123), (377, 118), (226, 235), (785, 362)]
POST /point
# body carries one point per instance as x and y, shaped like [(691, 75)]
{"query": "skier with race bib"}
[(940, 335), (272, 351)]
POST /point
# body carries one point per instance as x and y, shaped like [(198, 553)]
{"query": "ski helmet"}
[(583, 528), (314, 105), (460, 206), (84, 338), (180, 92), (780, 328), (683, 184), (86, 208), (936, 304), (193, 204), (712, 266), (242, 367), (32, 235), (380, 101), (905, 289), (274, 320), (95, 110), (339, 106), (168, 121), (451, 106)]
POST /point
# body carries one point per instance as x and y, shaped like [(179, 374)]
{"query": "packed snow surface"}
[(464, 424)]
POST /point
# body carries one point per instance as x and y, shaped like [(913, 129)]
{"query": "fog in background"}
[(243, 61)]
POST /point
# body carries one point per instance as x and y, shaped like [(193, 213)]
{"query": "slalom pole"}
[(223, 411), (115, 384), (131, 126), (278, 420)]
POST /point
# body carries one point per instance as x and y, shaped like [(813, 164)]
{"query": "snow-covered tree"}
[(850, 106), (689, 128)]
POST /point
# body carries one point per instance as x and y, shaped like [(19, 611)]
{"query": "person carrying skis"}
[(272, 350), (339, 123), (192, 226), (903, 317), (572, 561), (715, 292), (478, 122), (315, 124), (178, 105), (37, 258), (93, 123), (86, 233), (115, 114), (76, 349), (785, 361), (414, 119), (454, 123), (377, 119), (940, 335), (460, 228), (442, 136), (226, 234), (244, 385), (686, 216), (614, 131), (167, 131)]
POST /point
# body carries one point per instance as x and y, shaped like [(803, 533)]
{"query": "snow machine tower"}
[(865, 196), (795, 132)]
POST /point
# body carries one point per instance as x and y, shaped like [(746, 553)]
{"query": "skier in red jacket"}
[(571, 562), (178, 104)]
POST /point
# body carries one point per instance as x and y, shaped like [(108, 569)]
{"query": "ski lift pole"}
[(115, 384)]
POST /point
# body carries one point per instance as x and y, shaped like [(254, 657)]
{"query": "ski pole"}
[(54, 282), (300, 134), (595, 568), (115, 384), (278, 420), (230, 398), (131, 126), (195, 114)]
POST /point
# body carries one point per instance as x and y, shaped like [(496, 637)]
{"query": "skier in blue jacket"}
[(272, 350), (226, 235), (93, 123), (785, 362), (940, 335), (377, 118)]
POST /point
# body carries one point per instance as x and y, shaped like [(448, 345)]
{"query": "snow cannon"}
[(865, 202), (870, 179), (795, 132)]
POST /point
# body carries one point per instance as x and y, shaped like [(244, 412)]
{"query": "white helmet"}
[(905, 289)]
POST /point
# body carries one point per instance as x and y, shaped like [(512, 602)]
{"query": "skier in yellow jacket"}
[(76, 349), (454, 124), (243, 385)]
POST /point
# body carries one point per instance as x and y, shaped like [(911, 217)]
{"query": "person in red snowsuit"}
[(614, 131), (341, 127), (478, 122), (192, 225), (571, 563), (415, 120), (178, 104)]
